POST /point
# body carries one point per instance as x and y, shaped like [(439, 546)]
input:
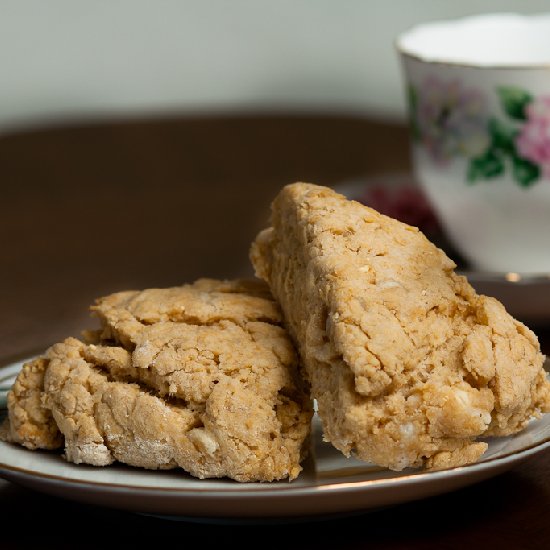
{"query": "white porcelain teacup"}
[(479, 105)]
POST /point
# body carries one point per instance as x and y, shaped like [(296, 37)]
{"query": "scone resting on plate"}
[(200, 377), (408, 364)]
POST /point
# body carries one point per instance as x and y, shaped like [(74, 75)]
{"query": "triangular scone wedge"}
[(408, 364)]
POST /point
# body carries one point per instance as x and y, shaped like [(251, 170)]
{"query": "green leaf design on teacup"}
[(514, 100), (502, 136), (525, 172), (487, 166)]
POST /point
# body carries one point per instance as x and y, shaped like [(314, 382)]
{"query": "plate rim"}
[(246, 489), (7, 471)]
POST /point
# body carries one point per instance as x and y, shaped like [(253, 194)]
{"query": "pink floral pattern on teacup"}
[(533, 140), (450, 119)]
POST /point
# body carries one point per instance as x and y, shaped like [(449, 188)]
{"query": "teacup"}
[(479, 114)]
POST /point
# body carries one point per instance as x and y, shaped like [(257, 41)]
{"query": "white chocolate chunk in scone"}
[(201, 377), (408, 364)]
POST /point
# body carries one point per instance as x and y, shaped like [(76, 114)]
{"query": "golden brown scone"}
[(30, 424), (200, 376), (408, 364)]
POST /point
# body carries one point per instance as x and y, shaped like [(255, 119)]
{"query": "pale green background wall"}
[(80, 58)]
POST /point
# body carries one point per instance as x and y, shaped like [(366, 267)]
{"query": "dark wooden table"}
[(92, 209)]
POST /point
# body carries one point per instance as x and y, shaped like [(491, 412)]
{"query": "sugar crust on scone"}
[(408, 364), (201, 377)]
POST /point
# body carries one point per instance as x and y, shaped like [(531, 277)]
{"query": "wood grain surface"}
[(92, 209)]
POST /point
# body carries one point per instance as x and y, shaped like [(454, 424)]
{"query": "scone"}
[(201, 377), (408, 364)]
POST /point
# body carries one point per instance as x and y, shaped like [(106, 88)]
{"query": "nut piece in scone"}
[(200, 377), (408, 364)]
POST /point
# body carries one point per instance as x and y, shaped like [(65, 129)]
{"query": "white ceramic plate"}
[(330, 483)]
